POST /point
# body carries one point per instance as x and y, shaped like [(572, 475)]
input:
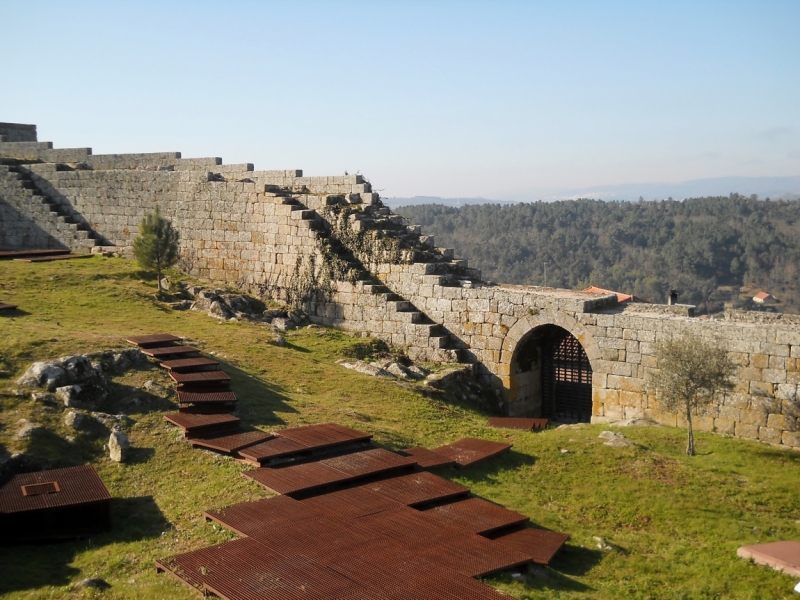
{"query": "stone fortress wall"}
[(329, 244)]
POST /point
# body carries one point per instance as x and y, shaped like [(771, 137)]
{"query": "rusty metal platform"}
[(229, 444), (162, 351), (7, 306), (304, 441), (518, 423), (275, 448), (417, 489), (218, 378), (155, 339), (428, 459), (294, 479), (186, 365), (326, 434), (262, 518), (195, 425), (468, 451), (375, 461), (196, 397), (474, 555), (540, 544), (54, 504), (310, 477), (350, 503), (476, 515)]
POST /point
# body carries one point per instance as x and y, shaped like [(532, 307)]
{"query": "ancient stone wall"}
[(328, 244), (17, 132)]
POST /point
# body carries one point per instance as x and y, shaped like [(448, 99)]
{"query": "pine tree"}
[(156, 247)]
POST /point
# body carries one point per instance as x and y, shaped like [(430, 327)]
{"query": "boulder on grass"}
[(118, 446)]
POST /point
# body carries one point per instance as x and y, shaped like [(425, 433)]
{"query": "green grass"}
[(674, 522)]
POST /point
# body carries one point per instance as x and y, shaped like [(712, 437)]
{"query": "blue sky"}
[(496, 99)]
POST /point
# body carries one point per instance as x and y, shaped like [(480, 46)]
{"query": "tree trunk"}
[(690, 445)]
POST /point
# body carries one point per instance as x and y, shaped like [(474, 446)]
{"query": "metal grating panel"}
[(200, 377), (197, 423), (468, 451), (157, 338), (34, 489), (351, 503), (231, 443), (202, 397), (263, 518), (428, 459), (369, 462), (540, 544), (170, 351), (189, 364), (296, 478), (326, 434), (79, 485), (474, 555), (475, 515), (274, 448), (418, 488)]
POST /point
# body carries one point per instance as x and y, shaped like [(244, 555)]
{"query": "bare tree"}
[(691, 373)]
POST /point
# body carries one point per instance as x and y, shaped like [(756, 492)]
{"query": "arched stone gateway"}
[(552, 376), (550, 371)]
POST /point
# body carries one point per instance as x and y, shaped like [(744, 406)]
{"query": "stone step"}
[(370, 288), (412, 316), (304, 215), (400, 306)]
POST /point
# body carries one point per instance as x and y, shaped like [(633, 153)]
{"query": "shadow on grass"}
[(259, 401), (17, 312), (486, 471), (33, 566)]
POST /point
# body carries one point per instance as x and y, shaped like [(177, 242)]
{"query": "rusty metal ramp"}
[(475, 515), (54, 504), (154, 340), (350, 503), (187, 365), (326, 434), (160, 352), (229, 444), (294, 479), (262, 518), (217, 378), (540, 544), (200, 425), (468, 451), (215, 397), (417, 489), (428, 459), (39, 253), (518, 423), (474, 556), (375, 461), (7, 306), (274, 449)]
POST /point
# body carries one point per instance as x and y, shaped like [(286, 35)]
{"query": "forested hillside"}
[(706, 248)]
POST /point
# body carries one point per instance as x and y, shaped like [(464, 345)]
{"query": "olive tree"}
[(156, 247), (691, 372)]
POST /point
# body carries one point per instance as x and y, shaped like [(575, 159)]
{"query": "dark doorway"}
[(551, 377)]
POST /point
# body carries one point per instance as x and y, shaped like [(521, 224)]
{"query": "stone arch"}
[(529, 359)]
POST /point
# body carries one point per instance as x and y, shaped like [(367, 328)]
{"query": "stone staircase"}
[(83, 236), (17, 183)]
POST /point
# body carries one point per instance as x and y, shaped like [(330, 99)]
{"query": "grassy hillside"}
[(673, 522), (706, 248)]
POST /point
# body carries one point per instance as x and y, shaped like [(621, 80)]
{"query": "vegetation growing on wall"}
[(706, 248)]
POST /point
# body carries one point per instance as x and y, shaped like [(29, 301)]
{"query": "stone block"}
[(724, 426), (744, 430), (605, 396), (759, 361), (782, 422), (756, 418), (773, 375), (791, 439), (786, 391), (760, 388), (769, 435)]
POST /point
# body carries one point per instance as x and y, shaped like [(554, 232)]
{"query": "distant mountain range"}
[(775, 188)]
